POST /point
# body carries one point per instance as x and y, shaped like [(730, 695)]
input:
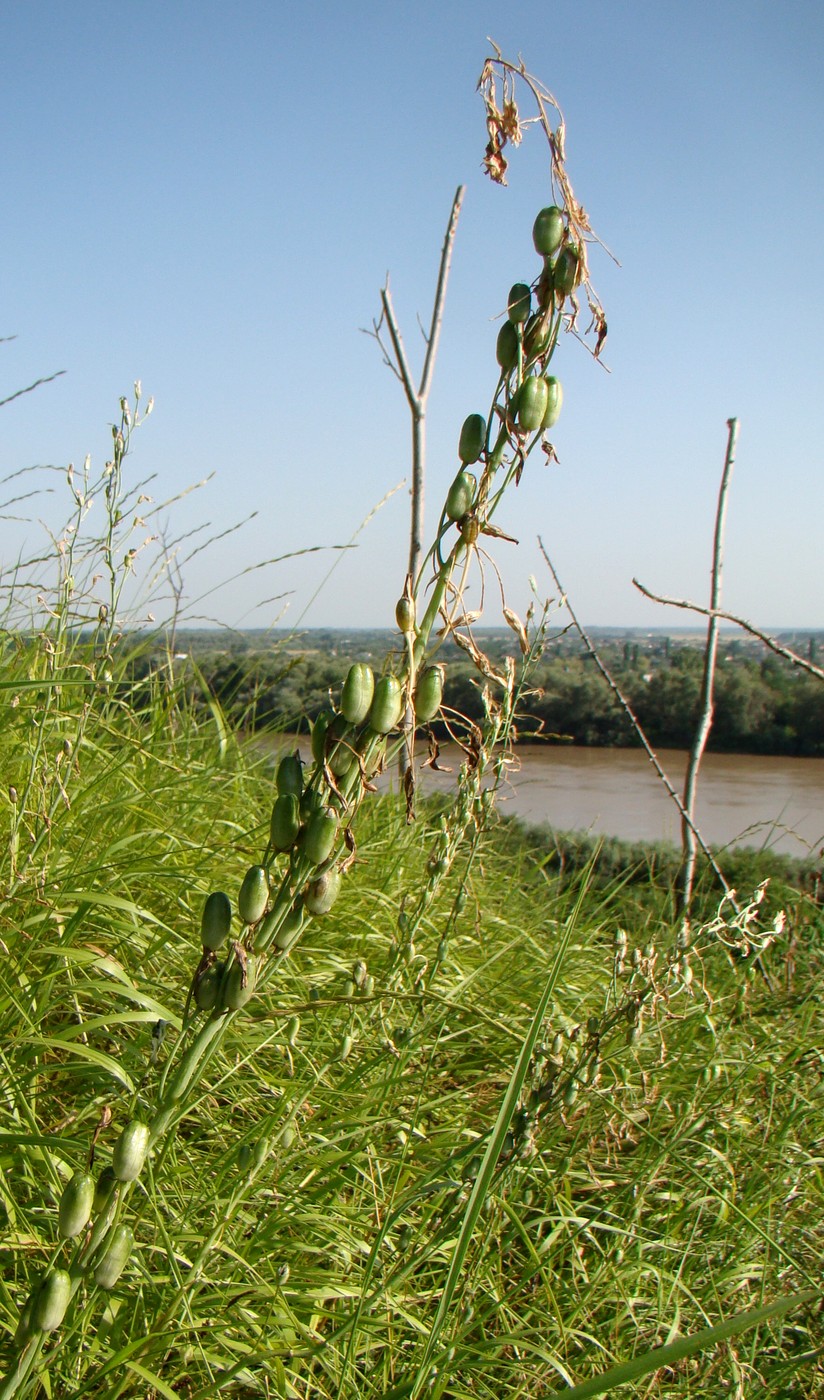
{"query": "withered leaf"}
[(518, 628)]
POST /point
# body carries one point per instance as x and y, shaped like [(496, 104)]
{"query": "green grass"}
[(296, 1234)]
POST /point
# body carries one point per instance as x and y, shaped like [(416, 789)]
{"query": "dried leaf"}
[(518, 628), (494, 163), (409, 792), (510, 122), (431, 761), (349, 843), (600, 326), (496, 533)]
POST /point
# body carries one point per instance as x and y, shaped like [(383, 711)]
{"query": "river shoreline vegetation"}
[(763, 705), (313, 1092)]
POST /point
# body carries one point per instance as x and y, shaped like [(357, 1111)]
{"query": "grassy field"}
[(302, 1098), (538, 1143)]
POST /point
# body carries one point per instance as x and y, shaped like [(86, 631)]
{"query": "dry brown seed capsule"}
[(470, 528)]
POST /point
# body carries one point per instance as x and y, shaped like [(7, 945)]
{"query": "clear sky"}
[(208, 198)]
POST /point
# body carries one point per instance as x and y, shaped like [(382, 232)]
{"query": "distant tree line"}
[(762, 705)]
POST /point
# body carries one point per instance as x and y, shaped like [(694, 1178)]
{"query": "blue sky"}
[(209, 199)]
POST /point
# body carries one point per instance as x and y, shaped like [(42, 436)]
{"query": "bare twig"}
[(417, 398), (769, 642), (636, 724), (704, 725)]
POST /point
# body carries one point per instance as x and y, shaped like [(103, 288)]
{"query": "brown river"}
[(742, 799)]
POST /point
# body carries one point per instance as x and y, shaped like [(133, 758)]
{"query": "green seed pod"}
[(506, 347), (358, 689), (239, 984), (340, 750), (287, 1137), (548, 230), (290, 775), (290, 929), (319, 835), (519, 302), (428, 693), (461, 495), (554, 402), (76, 1203), (312, 801), (115, 1257), (405, 615), (319, 729), (103, 1189), (345, 1047), (244, 1157), (261, 1151), (460, 901), (323, 892), (130, 1151), (254, 894), (285, 824), (532, 401), (25, 1324), (293, 1029), (207, 988), (470, 528), (567, 271), (51, 1301), (473, 438), (545, 290), (570, 1094), (216, 920), (387, 706), (368, 985)]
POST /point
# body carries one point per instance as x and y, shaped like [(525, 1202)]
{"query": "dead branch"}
[(636, 724), (769, 642)]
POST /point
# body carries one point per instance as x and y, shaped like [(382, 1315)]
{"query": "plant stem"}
[(699, 742)]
